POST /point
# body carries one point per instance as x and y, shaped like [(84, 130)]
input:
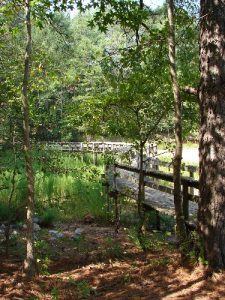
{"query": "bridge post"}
[(117, 213), (116, 202), (105, 182), (185, 202), (191, 174), (81, 151)]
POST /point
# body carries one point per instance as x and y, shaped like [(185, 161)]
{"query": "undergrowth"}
[(67, 186)]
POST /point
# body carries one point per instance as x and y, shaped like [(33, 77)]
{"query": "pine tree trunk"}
[(181, 231), (211, 215), (29, 263)]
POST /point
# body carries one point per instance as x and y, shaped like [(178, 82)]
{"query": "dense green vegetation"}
[(65, 187), (85, 78)]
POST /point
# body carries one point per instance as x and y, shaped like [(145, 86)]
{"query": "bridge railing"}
[(156, 163), (98, 147), (186, 182)]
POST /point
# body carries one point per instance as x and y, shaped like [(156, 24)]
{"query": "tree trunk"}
[(29, 262), (211, 214), (181, 231), (13, 182), (141, 182), (141, 198)]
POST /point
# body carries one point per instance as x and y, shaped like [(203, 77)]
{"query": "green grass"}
[(65, 182)]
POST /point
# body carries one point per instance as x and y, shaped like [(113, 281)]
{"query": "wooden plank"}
[(158, 200)]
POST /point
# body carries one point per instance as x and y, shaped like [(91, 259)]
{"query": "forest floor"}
[(104, 265)]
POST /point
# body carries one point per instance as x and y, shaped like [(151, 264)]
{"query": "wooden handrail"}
[(157, 162), (186, 182), (161, 175)]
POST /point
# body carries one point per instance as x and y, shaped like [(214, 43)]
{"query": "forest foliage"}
[(81, 76), (103, 73)]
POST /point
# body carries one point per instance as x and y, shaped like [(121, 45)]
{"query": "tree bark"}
[(181, 231), (141, 198), (13, 183), (211, 214), (29, 262)]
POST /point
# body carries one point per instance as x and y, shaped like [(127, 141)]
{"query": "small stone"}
[(52, 232), (24, 226), (56, 234), (78, 232), (60, 235), (2, 227), (15, 232), (172, 240), (36, 227)]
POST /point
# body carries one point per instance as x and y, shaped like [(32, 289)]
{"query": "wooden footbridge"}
[(97, 147), (123, 180)]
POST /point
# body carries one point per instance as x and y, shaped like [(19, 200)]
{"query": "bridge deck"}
[(127, 184)]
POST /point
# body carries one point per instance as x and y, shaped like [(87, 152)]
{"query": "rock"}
[(2, 227), (56, 234), (15, 232), (78, 232), (24, 226), (36, 227), (60, 235), (52, 231), (172, 240)]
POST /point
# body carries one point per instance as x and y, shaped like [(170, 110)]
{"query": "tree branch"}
[(154, 126)]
